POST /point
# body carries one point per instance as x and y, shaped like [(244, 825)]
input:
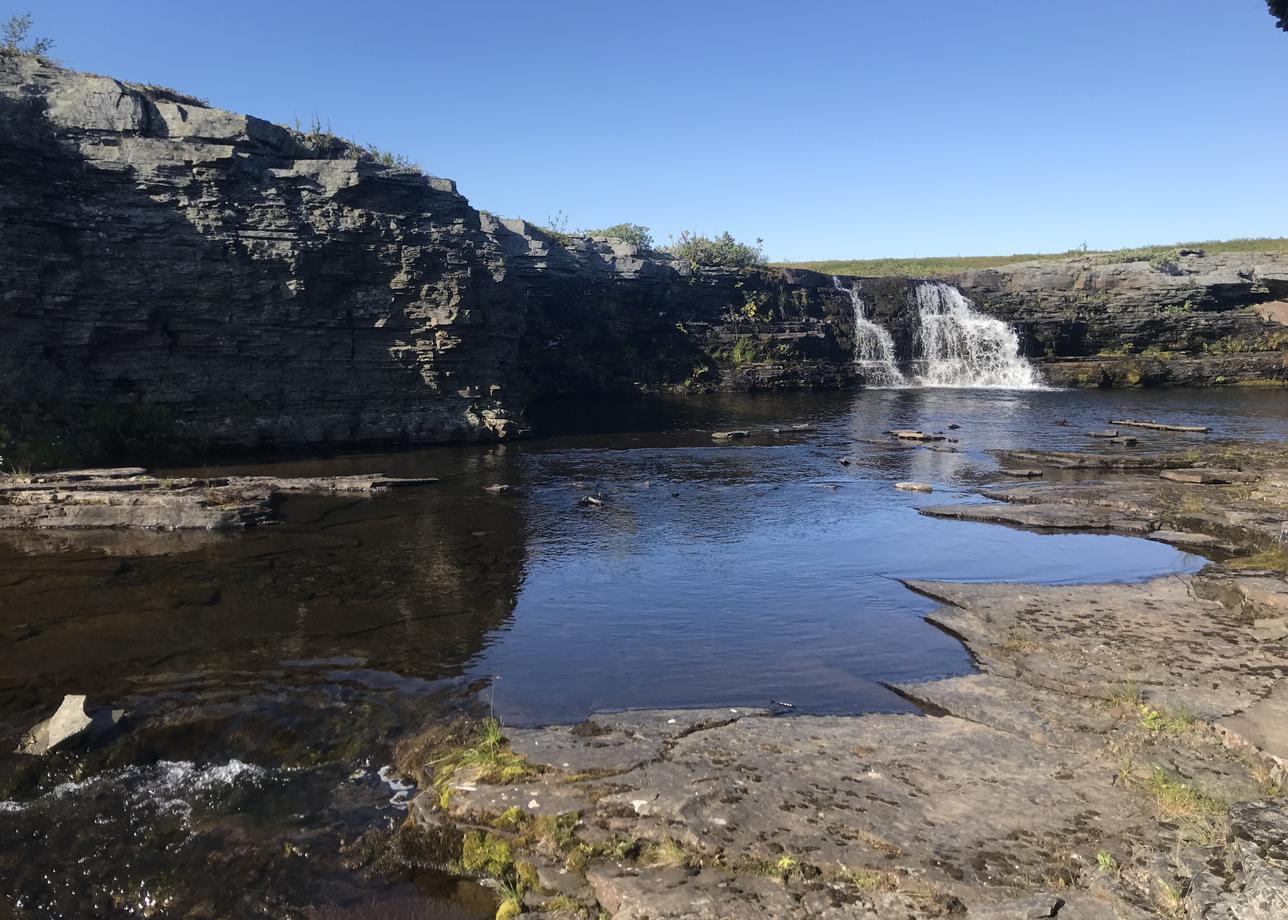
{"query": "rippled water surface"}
[(267, 673)]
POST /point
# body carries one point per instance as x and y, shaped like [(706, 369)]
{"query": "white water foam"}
[(958, 347), (873, 346), (168, 785), (401, 790)]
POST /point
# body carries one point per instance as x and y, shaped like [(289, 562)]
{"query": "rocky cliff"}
[(1184, 318), (171, 272)]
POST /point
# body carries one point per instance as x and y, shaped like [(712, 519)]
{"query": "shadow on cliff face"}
[(160, 292)]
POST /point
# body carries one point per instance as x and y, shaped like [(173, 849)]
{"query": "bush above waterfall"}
[(718, 250), (635, 234)]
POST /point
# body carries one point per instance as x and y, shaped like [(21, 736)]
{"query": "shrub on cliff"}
[(635, 234), (15, 40), (319, 142), (719, 250), (389, 158)]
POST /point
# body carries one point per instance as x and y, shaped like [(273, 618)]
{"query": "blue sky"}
[(831, 129)]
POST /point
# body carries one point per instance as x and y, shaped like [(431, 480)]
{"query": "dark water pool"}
[(711, 574)]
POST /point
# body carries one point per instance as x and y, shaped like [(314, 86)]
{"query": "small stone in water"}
[(914, 487)]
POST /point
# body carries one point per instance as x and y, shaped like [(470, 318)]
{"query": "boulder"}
[(70, 720)]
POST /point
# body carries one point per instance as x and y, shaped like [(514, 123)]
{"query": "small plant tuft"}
[(667, 854), (1160, 721)]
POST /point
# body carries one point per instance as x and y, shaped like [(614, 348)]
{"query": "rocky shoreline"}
[(130, 498), (1120, 753)]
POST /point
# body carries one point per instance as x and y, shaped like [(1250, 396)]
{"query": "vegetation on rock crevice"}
[(318, 141)]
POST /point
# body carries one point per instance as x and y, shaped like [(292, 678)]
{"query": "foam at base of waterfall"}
[(873, 346), (958, 347)]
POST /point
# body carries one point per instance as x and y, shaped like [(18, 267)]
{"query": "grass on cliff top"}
[(950, 265)]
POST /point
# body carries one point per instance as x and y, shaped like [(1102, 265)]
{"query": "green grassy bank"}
[(931, 267)]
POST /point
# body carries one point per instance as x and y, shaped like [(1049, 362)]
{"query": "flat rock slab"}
[(320, 485), (196, 509), (1076, 460), (848, 792), (1011, 706), (616, 741), (131, 499), (1270, 630), (1041, 516), (1089, 638), (119, 472), (672, 894), (1159, 426), (1206, 477), (911, 434), (1195, 541), (1263, 725), (729, 435), (914, 487)]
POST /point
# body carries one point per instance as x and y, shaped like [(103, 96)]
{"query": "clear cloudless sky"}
[(831, 128)]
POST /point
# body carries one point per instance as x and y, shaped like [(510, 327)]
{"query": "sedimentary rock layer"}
[(169, 270)]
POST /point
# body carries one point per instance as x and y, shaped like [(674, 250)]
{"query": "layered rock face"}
[(175, 270), (1194, 318), (171, 271), (161, 255)]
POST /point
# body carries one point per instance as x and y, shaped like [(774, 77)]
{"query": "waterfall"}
[(873, 346), (957, 347)]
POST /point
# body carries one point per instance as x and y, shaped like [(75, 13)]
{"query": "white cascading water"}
[(957, 347), (873, 346)]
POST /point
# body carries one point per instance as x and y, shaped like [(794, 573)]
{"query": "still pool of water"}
[(712, 574)]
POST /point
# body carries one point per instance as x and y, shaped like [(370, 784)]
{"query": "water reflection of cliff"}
[(409, 584)]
